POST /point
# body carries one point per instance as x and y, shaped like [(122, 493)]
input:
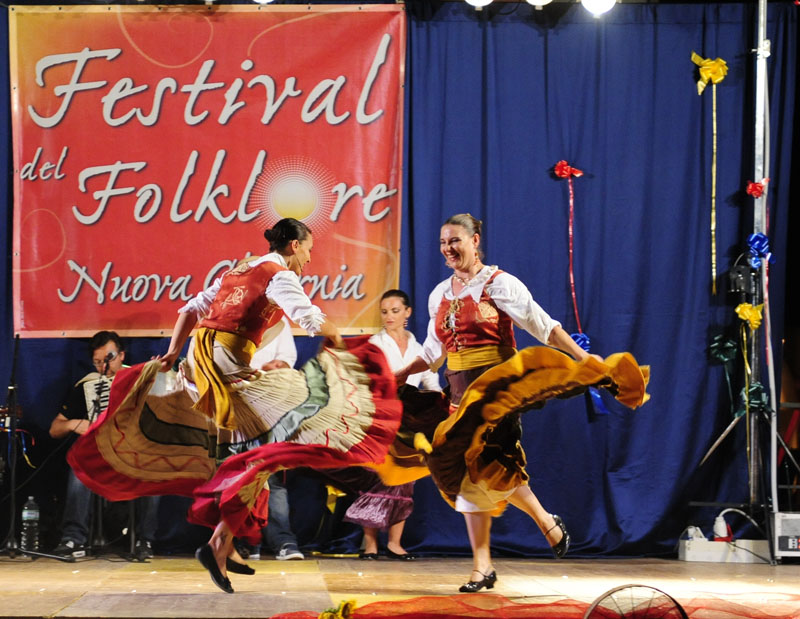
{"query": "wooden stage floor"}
[(179, 587)]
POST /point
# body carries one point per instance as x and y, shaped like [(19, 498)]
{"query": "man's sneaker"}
[(70, 549), (143, 550), (255, 553), (289, 552)]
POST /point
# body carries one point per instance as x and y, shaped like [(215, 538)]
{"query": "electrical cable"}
[(739, 511)]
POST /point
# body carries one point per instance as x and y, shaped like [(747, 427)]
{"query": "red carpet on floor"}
[(773, 606)]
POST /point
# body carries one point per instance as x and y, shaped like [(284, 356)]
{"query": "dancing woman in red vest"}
[(232, 317), (226, 427), (477, 461)]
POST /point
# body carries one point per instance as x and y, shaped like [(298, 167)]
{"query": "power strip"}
[(737, 551)]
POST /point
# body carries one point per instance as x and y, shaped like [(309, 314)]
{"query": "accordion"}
[(96, 393)]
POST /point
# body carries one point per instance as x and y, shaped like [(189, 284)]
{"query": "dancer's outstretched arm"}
[(180, 333)]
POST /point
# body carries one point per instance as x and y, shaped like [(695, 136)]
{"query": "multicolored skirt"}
[(339, 410), (480, 441)]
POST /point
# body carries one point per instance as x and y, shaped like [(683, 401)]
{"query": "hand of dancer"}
[(167, 361), (401, 376), (275, 364), (416, 366), (329, 330)]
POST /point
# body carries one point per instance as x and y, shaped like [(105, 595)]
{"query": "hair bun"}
[(284, 232)]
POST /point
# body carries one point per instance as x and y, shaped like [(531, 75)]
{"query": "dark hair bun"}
[(284, 232)]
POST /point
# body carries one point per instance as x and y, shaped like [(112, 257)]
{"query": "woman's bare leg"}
[(479, 525), (524, 499), (221, 543), (395, 533), (370, 540)]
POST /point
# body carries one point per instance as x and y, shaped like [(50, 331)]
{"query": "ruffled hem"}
[(382, 506)]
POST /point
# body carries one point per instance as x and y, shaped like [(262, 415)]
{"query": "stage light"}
[(478, 4), (598, 7), (262, 1), (538, 3)]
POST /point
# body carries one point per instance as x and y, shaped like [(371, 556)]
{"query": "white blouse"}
[(284, 290), (511, 297), (397, 361), (279, 348)]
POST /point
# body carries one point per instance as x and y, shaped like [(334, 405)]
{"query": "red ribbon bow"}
[(756, 189), (564, 170)]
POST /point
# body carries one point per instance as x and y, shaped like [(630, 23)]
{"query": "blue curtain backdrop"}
[(494, 99)]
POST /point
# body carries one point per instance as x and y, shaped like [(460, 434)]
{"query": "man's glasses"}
[(99, 363)]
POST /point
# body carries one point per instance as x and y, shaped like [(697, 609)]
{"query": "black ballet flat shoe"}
[(398, 557), (205, 555), (238, 568), (559, 549), (473, 586), (368, 556)]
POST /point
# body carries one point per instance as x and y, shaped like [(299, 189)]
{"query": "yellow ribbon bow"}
[(749, 313), (713, 71), (343, 611)]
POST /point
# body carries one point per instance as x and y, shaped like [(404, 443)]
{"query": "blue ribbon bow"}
[(759, 248), (594, 400)]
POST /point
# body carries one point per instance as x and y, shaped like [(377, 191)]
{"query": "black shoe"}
[(205, 555), (400, 557), (238, 568), (143, 550), (369, 556), (473, 586), (70, 549), (559, 549)]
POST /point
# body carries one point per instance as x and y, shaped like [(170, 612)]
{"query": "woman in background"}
[(384, 507)]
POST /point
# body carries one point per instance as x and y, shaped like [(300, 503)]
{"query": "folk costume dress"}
[(378, 505), (474, 454), (227, 426)]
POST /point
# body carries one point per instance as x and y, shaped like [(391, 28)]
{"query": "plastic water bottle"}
[(30, 525)]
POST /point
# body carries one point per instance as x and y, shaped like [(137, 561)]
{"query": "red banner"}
[(153, 146)]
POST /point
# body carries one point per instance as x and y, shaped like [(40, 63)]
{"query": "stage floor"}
[(179, 587)]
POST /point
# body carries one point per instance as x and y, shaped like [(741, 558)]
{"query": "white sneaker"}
[(290, 553), (255, 555)]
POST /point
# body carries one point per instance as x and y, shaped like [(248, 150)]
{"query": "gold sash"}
[(479, 356), (215, 400)]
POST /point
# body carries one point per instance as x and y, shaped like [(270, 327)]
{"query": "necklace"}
[(466, 280)]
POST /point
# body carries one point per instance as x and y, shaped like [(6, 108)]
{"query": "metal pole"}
[(760, 172), (758, 226), (762, 52)]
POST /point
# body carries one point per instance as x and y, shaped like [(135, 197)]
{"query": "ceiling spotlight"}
[(598, 7), (538, 3), (478, 4)]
